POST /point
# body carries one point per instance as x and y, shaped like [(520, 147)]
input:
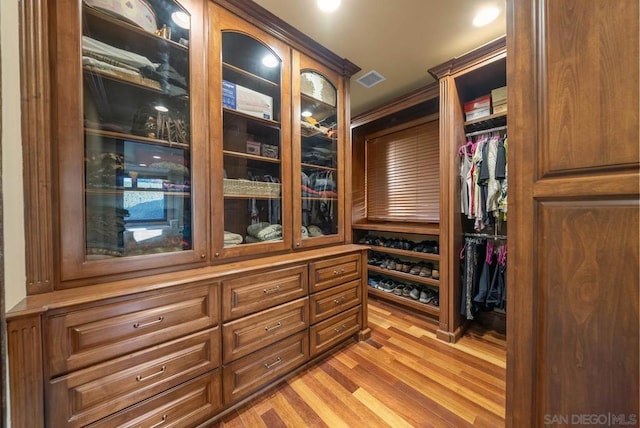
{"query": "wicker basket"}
[(250, 188)]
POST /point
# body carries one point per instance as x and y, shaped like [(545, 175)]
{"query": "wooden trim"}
[(403, 126), (411, 99), (419, 228), (36, 145), (25, 372), (275, 26), (479, 54)]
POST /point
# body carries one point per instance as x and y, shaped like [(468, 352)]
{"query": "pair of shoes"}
[(415, 293), (427, 247), (427, 295), (426, 270), (373, 282), (387, 285)]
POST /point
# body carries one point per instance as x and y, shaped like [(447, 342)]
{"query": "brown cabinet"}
[(334, 330)]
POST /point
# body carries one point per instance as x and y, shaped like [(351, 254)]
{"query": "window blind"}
[(403, 175)]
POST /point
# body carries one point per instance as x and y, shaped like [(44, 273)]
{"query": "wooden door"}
[(573, 216)]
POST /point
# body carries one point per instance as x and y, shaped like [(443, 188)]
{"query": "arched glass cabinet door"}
[(319, 180), (129, 137), (252, 216)]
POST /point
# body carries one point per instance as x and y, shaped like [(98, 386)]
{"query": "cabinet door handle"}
[(338, 301), (272, 290), (275, 363), (147, 324), (140, 378), (268, 328), (162, 421), (340, 329)]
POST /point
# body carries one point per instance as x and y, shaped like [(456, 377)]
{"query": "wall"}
[(14, 260)]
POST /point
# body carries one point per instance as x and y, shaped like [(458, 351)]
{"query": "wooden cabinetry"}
[(124, 352), (462, 80)]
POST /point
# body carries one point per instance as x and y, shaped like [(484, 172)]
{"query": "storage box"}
[(501, 108), (246, 100), (499, 96), (477, 113), (254, 147), (270, 151), (478, 103)]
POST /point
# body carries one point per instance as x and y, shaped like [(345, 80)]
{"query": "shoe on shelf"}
[(415, 292), (435, 274), (415, 269), (373, 282), (426, 270), (387, 285), (426, 296), (406, 290)]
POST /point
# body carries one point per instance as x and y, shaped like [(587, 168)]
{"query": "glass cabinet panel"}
[(137, 129), (252, 153), (319, 156)]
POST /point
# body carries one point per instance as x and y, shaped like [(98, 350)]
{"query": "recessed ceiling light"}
[(182, 19), (485, 16), (306, 113), (328, 5), (161, 108)]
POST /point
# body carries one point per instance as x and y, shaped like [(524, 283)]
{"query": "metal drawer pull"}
[(164, 419), (273, 290), (338, 272), (340, 300), (147, 324), (278, 324), (340, 329), (275, 363), (141, 378)]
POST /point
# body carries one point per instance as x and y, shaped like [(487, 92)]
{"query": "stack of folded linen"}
[(231, 239), (263, 231)]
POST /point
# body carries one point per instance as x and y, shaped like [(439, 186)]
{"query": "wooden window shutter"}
[(403, 175)]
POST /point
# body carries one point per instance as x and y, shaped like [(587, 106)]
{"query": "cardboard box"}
[(499, 96), (477, 113), (246, 100), (501, 108), (478, 103)]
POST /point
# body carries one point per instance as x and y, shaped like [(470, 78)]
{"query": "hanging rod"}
[(485, 235), (486, 131)]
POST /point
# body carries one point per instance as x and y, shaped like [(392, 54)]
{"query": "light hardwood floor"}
[(402, 377)]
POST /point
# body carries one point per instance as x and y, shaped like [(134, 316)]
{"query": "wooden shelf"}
[(417, 228), (135, 138), (404, 301), (267, 122), (405, 253), (405, 276), (250, 156), (324, 168)]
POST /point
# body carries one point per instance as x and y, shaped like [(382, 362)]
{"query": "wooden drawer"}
[(250, 333), (248, 374), (87, 336), (330, 332), (338, 270), (252, 293), (330, 302), (86, 395), (186, 405)]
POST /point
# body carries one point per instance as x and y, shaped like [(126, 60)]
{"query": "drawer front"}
[(87, 395), (248, 374), (330, 332), (184, 406), (330, 302), (91, 335), (338, 270), (250, 333), (252, 293)]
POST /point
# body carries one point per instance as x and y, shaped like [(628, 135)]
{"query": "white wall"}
[(14, 260)]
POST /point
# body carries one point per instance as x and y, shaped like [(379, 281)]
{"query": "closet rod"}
[(486, 131), (485, 235)]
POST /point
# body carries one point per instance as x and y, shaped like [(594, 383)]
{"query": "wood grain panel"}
[(591, 119), (588, 308), (327, 273)]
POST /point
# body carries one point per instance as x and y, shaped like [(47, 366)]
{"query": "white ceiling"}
[(400, 39)]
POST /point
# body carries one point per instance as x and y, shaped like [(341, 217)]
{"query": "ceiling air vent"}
[(370, 79)]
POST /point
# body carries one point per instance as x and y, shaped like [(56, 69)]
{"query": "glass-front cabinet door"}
[(129, 138), (250, 135), (318, 155)]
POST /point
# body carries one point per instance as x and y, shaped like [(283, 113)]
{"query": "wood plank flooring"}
[(402, 377)]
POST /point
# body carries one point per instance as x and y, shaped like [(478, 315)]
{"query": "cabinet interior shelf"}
[(490, 121), (248, 74), (416, 228), (119, 29), (324, 168), (405, 253), (250, 156), (121, 190), (271, 123), (318, 198), (406, 301), (138, 138), (126, 79), (405, 276), (238, 196)]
